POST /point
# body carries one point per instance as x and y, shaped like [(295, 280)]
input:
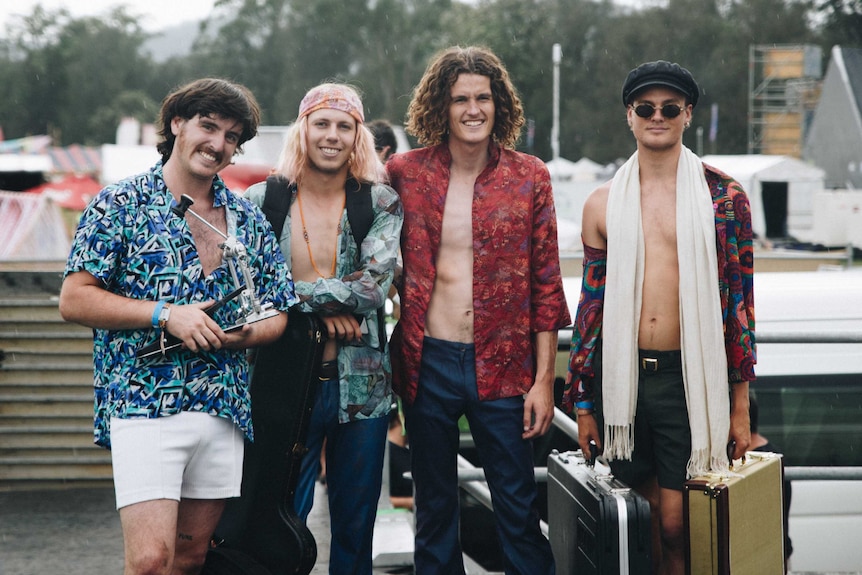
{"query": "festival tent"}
[(31, 228), (72, 192), (834, 139), (238, 177), (563, 170), (572, 183), (781, 190)]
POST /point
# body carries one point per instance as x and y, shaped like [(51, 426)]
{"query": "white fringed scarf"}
[(703, 356)]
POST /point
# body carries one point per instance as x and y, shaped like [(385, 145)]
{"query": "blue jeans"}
[(447, 390), (354, 474)]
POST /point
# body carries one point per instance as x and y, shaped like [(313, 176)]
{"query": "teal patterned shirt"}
[(362, 279), (129, 239)]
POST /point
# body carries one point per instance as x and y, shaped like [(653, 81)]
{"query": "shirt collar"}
[(221, 197), (444, 156)]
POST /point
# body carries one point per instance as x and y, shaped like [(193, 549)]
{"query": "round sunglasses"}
[(668, 110)]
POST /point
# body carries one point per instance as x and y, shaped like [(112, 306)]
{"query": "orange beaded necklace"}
[(308, 243)]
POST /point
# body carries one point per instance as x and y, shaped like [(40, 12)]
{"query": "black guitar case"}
[(259, 532)]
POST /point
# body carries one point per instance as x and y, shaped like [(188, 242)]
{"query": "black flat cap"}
[(660, 73)]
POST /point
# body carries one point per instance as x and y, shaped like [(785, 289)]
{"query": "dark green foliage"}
[(74, 78)]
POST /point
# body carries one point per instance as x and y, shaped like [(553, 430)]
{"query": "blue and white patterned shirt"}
[(130, 240)]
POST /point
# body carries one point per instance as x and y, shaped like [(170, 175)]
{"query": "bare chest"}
[(314, 232), (457, 229), (658, 218), (207, 242)]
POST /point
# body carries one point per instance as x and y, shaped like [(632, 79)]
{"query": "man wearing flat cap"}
[(667, 285), (328, 159)]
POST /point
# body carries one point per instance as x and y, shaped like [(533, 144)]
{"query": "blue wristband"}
[(156, 311), (585, 405)]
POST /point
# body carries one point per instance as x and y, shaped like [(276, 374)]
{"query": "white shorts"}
[(188, 455)]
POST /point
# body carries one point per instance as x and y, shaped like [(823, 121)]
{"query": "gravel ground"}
[(60, 532), (77, 532)]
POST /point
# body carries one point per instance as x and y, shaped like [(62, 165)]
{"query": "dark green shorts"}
[(662, 433)]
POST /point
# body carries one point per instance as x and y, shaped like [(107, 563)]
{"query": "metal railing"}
[(467, 473), (842, 257), (472, 479), (564, 336)]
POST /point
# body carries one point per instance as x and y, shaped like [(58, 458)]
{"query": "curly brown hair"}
[(427, 116)]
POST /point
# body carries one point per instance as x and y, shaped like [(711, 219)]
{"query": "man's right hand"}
[(197, 330), (343, 326), (588, 431)]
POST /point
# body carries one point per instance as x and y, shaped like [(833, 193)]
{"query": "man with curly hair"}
[(482, 300)]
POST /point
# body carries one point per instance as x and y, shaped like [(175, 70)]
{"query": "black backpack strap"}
[(359, 212), (276, 203), (361, 216)]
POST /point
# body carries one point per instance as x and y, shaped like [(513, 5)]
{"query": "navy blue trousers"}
[(447, 390), (354, 474)]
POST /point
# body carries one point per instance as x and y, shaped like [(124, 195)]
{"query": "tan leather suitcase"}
[(734, 523)]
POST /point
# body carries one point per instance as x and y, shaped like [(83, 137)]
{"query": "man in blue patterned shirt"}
[(139, 272)]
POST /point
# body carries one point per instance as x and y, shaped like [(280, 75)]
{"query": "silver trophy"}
[(236, 256)]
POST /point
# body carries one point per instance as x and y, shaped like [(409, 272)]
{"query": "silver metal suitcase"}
[(596, 524)]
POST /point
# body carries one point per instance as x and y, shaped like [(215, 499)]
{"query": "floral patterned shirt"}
[(733, 238), (362, 280), (130, 240), (517, 287)]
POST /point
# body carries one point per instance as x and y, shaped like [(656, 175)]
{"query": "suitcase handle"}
[(731, 446), (594, 454)]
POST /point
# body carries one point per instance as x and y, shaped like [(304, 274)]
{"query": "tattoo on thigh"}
[(184, 536)]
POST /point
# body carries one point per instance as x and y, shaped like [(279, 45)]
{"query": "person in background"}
[(400, 488), (481, 302), (663, 345), (385, 143), (139, 272), (329, 154)]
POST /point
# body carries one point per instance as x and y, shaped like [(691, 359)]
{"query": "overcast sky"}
[(156, 14)]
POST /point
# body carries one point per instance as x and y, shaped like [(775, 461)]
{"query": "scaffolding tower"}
[(784, 86)]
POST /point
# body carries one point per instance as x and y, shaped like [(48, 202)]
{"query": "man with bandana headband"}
[(329, 154)]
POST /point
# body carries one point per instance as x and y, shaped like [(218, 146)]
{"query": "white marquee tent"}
[(799, 180)]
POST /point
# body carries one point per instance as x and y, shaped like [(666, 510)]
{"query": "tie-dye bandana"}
[(334, 96)]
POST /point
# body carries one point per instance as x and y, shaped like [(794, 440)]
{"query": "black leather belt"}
[(328, 370), (651, 361)]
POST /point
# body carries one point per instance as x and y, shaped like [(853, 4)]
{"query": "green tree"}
[(102, 123), (840, 22), (281, 48), (66, 71), (101, 61), (74, 78), (31, 98)]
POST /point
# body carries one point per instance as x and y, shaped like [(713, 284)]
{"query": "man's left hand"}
[(740, 432), (538, 411)]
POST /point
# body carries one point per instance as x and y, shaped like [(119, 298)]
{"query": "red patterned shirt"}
[(517, 288)]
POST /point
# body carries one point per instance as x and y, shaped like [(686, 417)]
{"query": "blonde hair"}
[(363, 164)]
